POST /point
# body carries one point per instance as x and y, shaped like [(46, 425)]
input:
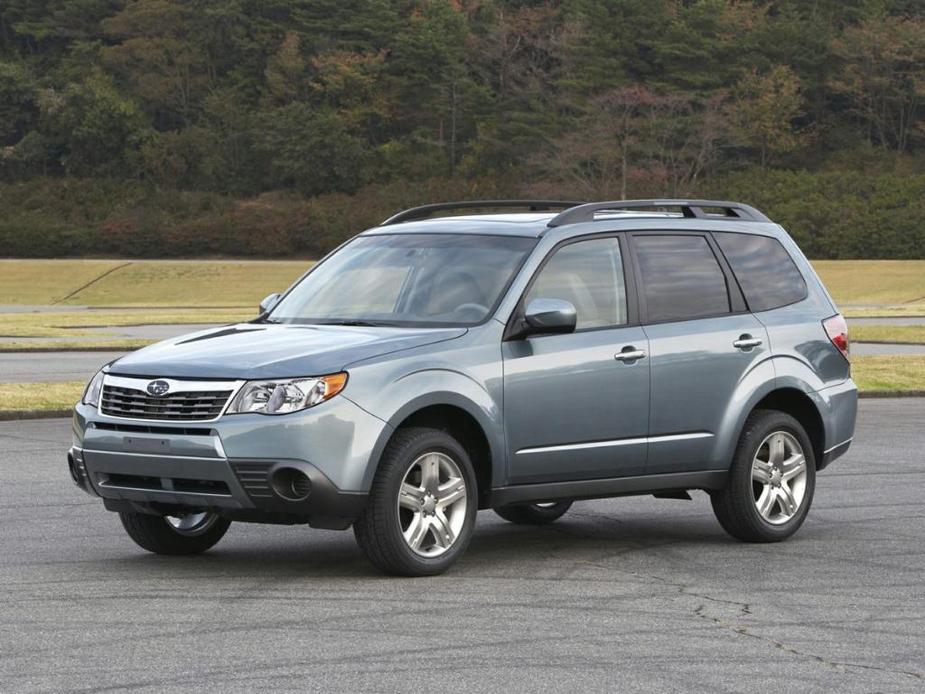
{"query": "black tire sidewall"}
[(396, 467), (155, 534), (533, 514), (765, 424)]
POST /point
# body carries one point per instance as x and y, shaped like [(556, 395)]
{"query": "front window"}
[(407, 280), (589, 275)]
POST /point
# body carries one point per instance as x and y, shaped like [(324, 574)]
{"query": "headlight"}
[(91, 394), (282, 397)]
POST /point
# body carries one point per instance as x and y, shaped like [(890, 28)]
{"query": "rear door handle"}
[(746, 342), (629, 354)]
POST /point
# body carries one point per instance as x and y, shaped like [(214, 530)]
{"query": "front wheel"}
[(771, 481), (534, 514), (422, 505), (187, 533)]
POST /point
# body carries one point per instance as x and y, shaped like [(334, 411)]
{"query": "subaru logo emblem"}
[(158, 388)]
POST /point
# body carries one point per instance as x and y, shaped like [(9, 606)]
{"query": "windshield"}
[(407, 279)]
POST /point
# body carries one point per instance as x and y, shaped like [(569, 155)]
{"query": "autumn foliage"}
[(281, 127)]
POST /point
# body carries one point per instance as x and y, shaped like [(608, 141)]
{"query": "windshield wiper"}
[(357, 323)]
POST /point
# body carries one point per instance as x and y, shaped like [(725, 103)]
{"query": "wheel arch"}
[(801, 407), (468, 422), (767, 388)]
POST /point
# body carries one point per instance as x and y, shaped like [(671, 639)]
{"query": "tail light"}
[(836, 328)]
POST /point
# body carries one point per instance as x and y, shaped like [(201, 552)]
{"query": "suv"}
[(432, 367)]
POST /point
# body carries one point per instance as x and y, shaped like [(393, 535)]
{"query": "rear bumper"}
[(838, 406)]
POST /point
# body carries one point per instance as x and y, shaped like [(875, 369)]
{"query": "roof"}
[(529, 224), (676, 214)]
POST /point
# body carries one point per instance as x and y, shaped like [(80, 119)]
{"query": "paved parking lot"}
[(31, 367), (626, 594)]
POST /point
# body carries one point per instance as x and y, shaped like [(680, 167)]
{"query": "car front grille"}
[(182, 406)]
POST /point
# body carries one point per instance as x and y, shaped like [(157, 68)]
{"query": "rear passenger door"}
[(702, 343)]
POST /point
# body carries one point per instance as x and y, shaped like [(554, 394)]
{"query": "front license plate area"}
[(134, 444)]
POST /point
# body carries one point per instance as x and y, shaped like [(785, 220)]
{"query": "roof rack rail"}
[(688, 208), (425, 211)]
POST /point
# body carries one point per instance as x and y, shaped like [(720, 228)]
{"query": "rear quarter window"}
[(764, 269)]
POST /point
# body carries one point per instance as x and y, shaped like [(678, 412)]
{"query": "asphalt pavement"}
[(33, 367), (633, 594), (875, 349)]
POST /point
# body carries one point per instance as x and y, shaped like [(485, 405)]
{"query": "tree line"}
[(197, 126)]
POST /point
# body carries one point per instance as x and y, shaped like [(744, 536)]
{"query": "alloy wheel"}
[(191, 524), (779, 477), (432, 504)]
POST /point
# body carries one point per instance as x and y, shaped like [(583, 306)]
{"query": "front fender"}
[(438, 386)]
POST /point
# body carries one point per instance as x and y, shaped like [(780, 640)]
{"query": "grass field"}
[(896, 283), (163, 283), (902, 334), (74, 324), (17, 397), (889, 374), (882, 287)]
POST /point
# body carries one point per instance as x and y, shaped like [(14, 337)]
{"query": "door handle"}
[(629, 354), (746, 342)]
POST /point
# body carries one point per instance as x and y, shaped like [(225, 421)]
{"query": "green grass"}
[(75, 323), (903, 334), (48, 396), (883, 311), (889, 373), (47, 281), (126, 344), (896, 285), (883, 282), (200, 283), (225, 291)]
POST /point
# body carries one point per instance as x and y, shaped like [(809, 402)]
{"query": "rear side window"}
[(681, 278), (765, 271)]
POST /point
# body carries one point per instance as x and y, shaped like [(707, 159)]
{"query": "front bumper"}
[(231, 465)]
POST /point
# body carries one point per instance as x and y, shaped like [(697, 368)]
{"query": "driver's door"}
[(574, 408)]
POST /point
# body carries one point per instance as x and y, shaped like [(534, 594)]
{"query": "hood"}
[(254, 351)]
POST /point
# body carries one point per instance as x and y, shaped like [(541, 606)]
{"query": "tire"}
[(534, 514), (754, 505), (166, 534), (414, 526)]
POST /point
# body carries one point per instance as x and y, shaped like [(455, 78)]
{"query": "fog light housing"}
[(291, 484)]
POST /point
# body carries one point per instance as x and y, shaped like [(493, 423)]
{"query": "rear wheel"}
[(534, 514), (422, 505), (188, 533), (771, 482)]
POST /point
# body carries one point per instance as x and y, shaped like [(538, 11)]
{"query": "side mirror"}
[(550, 317), (268, 302)]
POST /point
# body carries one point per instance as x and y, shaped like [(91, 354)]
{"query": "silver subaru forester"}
[(517, 360)]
